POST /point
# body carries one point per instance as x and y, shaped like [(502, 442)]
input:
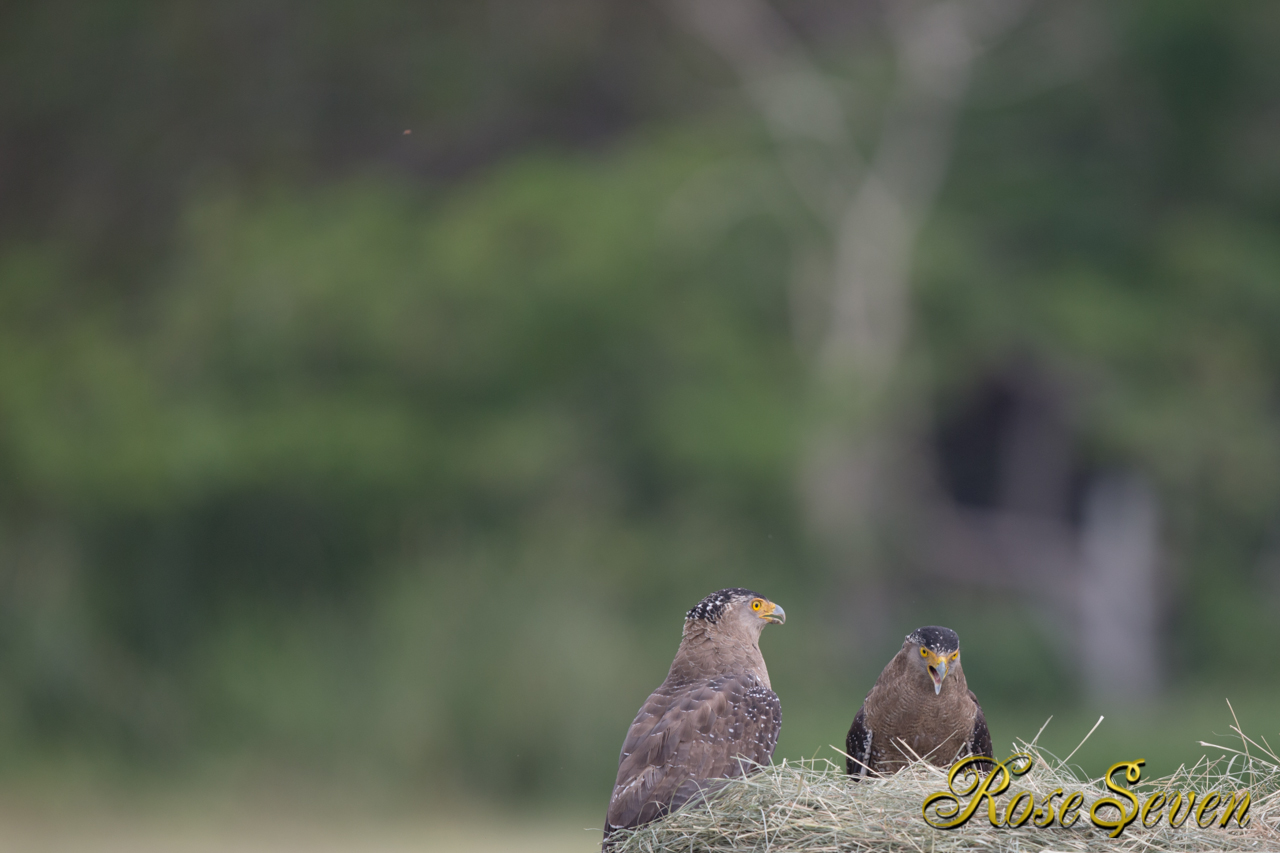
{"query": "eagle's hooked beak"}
[(938, 672), (774, 613)]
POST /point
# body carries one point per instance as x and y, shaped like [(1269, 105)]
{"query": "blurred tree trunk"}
[(1117, 587), (871, 215)]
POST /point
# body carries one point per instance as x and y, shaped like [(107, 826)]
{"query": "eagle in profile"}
[(713, 717), (920, 706)]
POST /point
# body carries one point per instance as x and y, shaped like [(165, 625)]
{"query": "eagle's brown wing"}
[(685, 738), (857, 744), (980, 739)]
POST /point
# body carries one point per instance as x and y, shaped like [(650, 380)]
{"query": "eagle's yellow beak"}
[(937, 672), (773, 613)]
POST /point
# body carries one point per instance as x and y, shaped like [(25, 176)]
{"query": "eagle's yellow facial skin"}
[(768, 611), (932, 658), (938, 666)]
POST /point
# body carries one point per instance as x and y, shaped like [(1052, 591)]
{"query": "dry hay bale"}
[(812, 806)]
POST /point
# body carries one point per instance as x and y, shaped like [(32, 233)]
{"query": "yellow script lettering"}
[(1132, 773), (947, 803), (1071, 808), (1155, 805), (1242, 817)]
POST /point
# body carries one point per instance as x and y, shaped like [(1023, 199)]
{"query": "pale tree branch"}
[(872, 212), (802, 110), (936, 45)]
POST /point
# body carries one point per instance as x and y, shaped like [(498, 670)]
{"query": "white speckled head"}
[(736, 610), (935, 651)]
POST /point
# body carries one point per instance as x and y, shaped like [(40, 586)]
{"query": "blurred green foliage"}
[(363, 444), (331, 446)]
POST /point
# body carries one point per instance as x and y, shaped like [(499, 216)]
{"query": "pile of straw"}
[(812, 806)]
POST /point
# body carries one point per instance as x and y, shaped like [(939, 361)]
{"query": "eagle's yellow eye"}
[(924, 653), (757, 604), (955, 655)]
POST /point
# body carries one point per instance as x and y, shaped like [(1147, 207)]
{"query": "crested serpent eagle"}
[(920, 706), (713, 717)]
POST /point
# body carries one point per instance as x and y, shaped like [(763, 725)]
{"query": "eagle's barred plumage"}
[(713, 718)]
